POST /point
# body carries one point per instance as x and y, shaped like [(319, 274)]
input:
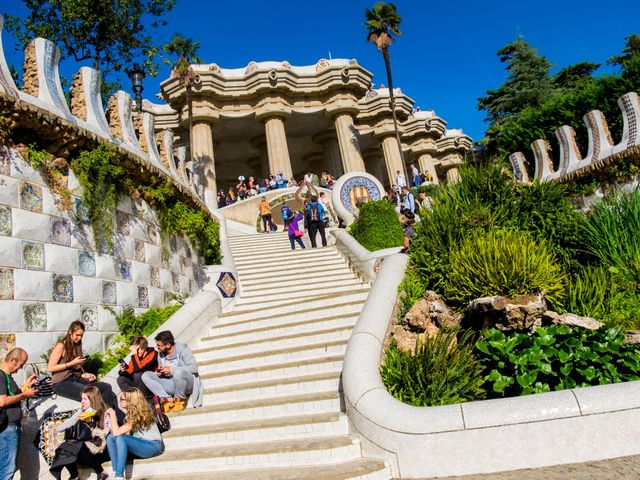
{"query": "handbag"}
[(298, 233), (78, 431), (164, 425), (43, 384)]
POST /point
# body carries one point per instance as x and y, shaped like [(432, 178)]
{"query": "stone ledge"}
[(485, 436), (366, 263)]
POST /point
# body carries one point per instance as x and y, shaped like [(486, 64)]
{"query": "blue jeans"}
[(9, 440), (120, 446), (294, 239)]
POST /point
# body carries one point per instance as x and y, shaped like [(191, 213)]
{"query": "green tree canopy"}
[(110, 34), (631, 50)]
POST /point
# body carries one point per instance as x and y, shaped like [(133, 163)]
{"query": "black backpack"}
[(314, 213)]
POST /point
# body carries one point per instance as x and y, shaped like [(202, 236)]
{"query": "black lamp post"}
[(137, 77)]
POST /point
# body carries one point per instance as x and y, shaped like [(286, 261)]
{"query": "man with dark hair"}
[(315, 220), (176, 376), (10, 398)]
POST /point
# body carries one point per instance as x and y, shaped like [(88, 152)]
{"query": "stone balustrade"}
[(601, 150)]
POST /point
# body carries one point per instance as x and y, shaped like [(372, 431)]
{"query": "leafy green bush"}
[(613, 234), (502, 262), (377, 226), (555, 358), (588, 292), (442, 371)]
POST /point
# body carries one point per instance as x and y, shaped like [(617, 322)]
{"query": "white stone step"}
[(257, 238), (358, 469), (283, 283), (282, 332), (270, 299), (258, 259), (300, 268), (252, 295), (313, 383), (266, 347), (259, 428), (281, 355), (298, 307), (292, 297), (288, 266), (283, 453)]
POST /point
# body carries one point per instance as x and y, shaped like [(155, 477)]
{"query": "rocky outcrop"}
[(505, 314), (570, 319)]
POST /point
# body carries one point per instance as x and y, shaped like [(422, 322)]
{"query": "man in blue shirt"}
[(316, 214), (408, 201)]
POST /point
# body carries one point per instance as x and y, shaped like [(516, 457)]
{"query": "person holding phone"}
[(143, 359), (65, 364)]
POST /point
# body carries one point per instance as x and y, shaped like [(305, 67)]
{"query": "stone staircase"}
[(271, 370)]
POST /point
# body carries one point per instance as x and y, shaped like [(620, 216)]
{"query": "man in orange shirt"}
[(265, 213)]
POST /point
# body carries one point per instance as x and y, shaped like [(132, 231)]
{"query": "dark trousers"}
[(85, 457), (72, 387), (135, 381), (293, 239), (266, 222), (315, 227)]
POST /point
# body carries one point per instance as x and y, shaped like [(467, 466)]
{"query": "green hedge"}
[(377, 226)]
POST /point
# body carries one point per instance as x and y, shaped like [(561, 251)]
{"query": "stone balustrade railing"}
[(601, 151), (570, 426), (42, 92)]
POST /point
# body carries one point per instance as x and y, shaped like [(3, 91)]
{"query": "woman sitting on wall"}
[(65, 364), (85, 433), (139, 434)]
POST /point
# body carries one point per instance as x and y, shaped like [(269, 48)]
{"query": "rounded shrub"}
[(377, 226), (503, 262)]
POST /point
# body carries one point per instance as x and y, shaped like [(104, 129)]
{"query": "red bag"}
[(298, 233)]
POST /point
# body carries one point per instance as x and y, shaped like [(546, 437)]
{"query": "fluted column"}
[(279, 160), (392, 158), (348, 141), (203, 162), (331, 152), (425, 161), (453, 175)]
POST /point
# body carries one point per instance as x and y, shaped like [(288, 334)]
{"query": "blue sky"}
[(444, 60)]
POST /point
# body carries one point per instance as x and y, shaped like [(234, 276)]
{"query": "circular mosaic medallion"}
[(353, 189)]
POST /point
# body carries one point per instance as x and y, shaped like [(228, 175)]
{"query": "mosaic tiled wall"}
[(51, 274)]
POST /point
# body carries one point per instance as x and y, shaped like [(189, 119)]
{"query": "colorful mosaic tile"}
[(5, 160), (6, 284), (31, 197), (155, 277), (175, 278), (109, 294), (227, 284), (62, 288), (5, 220), (152, 234), (89, 316), (34, 316), (122, 222), (139, 254), (32, 255), (86, 264), (7, 343), (125, 269), (81, 211), (60, 231), (143, 297)]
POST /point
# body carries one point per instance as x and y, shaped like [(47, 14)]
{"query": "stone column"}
[(426, 164), (453, 175), (348, 141), (279, 160), (203, 162), (374, 164), (331, 152), (392, 158)]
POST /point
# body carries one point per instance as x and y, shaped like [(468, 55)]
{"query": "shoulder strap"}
[(8, 384)]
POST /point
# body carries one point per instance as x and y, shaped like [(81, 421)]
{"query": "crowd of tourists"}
[(107, 426), (249, 187)]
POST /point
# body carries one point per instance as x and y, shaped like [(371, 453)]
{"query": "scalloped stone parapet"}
[(86, 101), (41, 78), (518, 163), (630, 106), (120, 119), (7, 85), (148, 140)]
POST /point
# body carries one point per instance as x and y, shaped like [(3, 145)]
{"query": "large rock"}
[(570, 319), (430, 312), (504, 314)]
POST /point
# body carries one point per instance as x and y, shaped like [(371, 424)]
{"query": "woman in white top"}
[(139, 434)]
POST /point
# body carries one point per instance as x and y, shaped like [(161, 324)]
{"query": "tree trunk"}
[(392, 104)]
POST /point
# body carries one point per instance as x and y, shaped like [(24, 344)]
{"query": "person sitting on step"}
[(143, 359), (176, 376)]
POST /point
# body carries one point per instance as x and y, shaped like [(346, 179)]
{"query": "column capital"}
[(272, 111), (333, 111)]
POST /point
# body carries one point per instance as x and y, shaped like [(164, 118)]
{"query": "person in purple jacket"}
[(295, 234)]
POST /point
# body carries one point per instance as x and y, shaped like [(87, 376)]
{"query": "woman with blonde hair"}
[(65, 364), (84, 451), (139, 434)]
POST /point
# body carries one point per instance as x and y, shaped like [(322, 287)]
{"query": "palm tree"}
[(186, 51), (382, 22)]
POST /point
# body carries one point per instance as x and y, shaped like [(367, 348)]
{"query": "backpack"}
[(164, 425), (273, 227), (314, 213), (286, 212)]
